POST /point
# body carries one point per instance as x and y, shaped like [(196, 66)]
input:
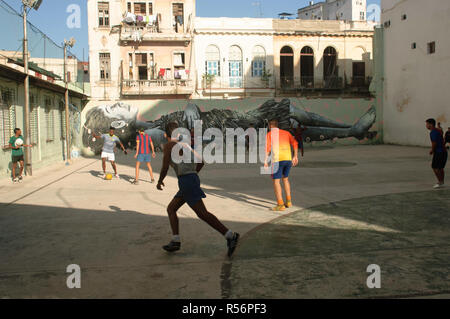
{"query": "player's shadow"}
[(95, 173), (127, 178)]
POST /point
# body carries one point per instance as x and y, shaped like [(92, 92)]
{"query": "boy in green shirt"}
[(16, 143)]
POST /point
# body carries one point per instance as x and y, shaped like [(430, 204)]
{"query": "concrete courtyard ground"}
[(354, 206)]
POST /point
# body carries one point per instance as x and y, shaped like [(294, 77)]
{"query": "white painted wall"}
[(416, 83), (226, 32)]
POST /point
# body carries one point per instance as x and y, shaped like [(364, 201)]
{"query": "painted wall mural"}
[(127, 119)]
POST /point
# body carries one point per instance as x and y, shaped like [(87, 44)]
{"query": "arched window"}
[(287, 67), (258, 61), (330, 62), (307, 67), (235, 66), (212, 64)]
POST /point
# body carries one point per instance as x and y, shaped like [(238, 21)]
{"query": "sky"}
[(51, 18)]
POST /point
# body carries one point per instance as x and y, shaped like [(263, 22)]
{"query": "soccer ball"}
[(108, 177), (19, 142)]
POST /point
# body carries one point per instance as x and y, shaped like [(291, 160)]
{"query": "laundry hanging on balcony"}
[(129, 18)]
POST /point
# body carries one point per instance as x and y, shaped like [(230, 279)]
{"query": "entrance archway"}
[(287, 67), (307, 67)]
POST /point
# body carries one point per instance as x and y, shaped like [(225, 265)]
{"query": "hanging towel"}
[(139, 18), (130, 18), (180, 19)]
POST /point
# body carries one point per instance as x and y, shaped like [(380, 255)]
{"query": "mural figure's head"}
[(121, 117)]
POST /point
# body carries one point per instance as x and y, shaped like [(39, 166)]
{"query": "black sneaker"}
[(232, 243), (20, 179), (172, 246)]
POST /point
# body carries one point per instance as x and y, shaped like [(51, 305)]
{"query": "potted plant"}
[(209, 79), (265, 77)]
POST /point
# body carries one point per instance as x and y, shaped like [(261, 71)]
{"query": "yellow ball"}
[(108, 177)]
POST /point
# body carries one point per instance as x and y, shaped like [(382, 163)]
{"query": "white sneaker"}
[(15, 180), (102, 175), (117, 176), (438, 186)]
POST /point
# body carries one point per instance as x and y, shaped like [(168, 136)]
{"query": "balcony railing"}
[(157, 87), (150, 33)]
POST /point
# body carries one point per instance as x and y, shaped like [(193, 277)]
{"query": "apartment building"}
[(141, 49), (348, 10)]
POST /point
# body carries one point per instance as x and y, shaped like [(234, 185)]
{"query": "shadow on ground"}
[(323, 252)]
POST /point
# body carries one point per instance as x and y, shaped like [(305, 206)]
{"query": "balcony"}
[(157, 87), (151, 33)]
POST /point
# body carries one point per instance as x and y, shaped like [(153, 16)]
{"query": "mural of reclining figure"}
[(124, 119)]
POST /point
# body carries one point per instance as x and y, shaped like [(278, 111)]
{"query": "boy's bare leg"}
[(151, 171), (202, 213), (138, 166), (287, 188), (104, 165), (14, 165), (22, 164), (172, 209), (278, 191)]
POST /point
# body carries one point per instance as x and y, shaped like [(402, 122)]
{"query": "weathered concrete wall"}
[(416, 83), (49, 148), (344, 111)]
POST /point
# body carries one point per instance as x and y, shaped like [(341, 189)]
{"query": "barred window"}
[(49, 119), (34, 118), (103, 14), (7, 116), (105, 66)]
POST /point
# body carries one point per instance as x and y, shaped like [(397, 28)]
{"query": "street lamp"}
[(69, 43), (27, 4)]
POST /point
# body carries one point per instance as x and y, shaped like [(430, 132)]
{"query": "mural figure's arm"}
[(312, 119), (191, 114), (359, 130)]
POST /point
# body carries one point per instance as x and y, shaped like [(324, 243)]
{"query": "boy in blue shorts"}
[(279, 143), (189, 193), (143, 145)]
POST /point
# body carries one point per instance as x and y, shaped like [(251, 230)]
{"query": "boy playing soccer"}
[(282, 162), (143, 145), (190, 193)]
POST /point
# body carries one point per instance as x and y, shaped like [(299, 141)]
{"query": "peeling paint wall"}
[(416, 85)]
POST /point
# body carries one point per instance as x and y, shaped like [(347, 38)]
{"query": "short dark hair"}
[(431, 121), (170, 127), (16, 130), (274, 120), (112, 128)]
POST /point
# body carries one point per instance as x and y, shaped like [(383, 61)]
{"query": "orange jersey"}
[(282, 151)]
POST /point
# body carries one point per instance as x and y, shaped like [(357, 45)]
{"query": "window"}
[(49, 119), (362, 16), (34, 118), (259, 61), (212, 64), (387, 24), (414, 45), (7, 116), (432, 47), (105, 66), (141, 63), (178, 17), (404, 16), (140, 8), (179, 65), (103, 14)]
